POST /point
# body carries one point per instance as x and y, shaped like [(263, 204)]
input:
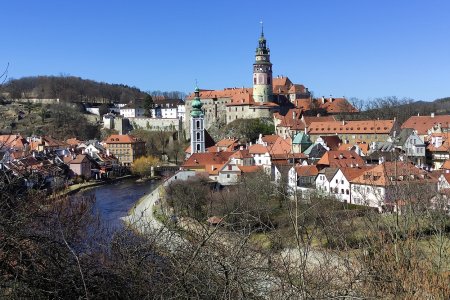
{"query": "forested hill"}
[(69, 89), (401, 109)]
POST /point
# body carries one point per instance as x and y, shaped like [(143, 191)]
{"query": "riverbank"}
[(141, 215)]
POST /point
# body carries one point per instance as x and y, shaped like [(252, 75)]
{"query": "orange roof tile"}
[(446, 165), (352, 172), (240, 154), (12, 141), (423, 123), (258, 149), (340, 159), (225, 93), (306, 170), (341, 127), (389, 172), (73, 142), (226, 142), (122, 139), (199, 160)]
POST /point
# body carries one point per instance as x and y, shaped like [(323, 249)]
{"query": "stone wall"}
[(154, 124)]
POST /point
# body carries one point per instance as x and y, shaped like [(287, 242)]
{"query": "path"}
[(141, 215)]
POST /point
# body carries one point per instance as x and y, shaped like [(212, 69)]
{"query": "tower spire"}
[(262, 28)]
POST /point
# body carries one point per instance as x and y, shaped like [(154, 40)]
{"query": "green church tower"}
[(197, 124)]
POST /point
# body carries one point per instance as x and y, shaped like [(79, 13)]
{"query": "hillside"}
[(69, 89)]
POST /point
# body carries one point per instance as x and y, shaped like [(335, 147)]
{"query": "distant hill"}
[(69, 89), (402, 109)]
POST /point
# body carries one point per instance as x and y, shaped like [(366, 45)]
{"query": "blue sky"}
[(352, 48)]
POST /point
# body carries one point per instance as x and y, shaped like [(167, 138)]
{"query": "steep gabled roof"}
[(329, 172)]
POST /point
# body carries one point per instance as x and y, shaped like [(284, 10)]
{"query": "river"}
[(113, 201)]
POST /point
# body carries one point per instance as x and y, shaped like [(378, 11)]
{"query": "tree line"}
[(70, 89)]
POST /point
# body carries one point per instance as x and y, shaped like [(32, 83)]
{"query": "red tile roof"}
[(227, 143), (240, 154), (12, 141), (340, 159), (388, 172), (423, 123), (357, 127), (258, 149), (225, 93), (122, 139), (199, 160), (306, 170)]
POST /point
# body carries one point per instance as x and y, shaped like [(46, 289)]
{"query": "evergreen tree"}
[(148, 105)]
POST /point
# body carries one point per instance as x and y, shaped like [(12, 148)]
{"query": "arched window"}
[(198, 136), (198, 124), (198, 147)]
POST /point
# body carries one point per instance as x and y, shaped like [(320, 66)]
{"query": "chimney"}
[(343, 122), (293, 114), (322, 100), (432, 114), (318, 115)]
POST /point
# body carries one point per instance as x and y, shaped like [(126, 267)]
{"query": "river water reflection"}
[(113, 201)]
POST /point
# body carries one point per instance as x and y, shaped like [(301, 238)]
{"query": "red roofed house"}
[(126, 148), (207, 162), (354, 131), (301, 177), (80, 165), (261, 156), (227, 144), (340, 183), (438, 149), (338, 159), (389, 185), (47, 143), (425, 125), (330, 105), (294, 121), (14, 143)]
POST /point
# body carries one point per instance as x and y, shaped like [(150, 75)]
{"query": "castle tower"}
[(197, 125), (262, 72)]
